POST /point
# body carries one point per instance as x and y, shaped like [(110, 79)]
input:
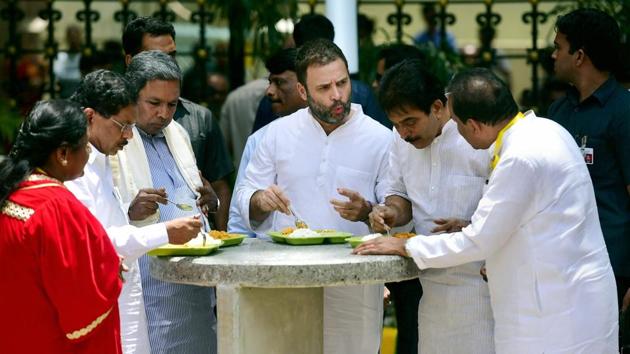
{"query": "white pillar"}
[(343, 15)]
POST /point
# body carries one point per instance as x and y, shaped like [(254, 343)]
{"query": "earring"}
[(64, 162)]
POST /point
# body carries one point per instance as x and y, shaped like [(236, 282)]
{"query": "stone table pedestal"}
[(270, 296)]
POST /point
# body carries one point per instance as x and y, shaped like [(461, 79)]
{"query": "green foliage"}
[(619, 9), (444, 64), (10, 121), (258, 20)]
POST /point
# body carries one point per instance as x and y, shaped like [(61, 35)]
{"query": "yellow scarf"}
[(499, 142)]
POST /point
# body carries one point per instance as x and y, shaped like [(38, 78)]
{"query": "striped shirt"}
[(180, 317)]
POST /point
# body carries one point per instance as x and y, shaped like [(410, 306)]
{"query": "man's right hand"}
[(182, 230), (382, 218), (271, 199), (146, 203)]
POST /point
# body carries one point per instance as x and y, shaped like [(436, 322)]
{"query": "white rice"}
[(198, 241), (370, 237), (304, 233)]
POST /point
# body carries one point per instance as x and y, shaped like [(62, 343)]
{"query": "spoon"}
[(299, 223), (206, 228), (181, 206), (387, 227)]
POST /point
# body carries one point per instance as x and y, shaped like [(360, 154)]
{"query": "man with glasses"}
[(110, 109)]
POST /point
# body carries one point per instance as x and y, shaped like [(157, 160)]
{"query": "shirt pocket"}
[(356, 180)]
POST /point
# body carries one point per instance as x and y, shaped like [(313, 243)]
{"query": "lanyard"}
[(499, 142)]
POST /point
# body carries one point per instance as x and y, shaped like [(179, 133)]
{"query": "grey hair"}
[(152, 65)]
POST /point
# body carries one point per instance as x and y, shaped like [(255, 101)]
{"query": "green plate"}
[(326, 237), (183, 250), (354, 241), (277, 237), (335, 236), (235, 239)]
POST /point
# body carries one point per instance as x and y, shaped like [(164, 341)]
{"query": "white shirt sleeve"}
[(259, 174), (236, 222), (396, 184), (132, 242), (503, 207), (382, 178)]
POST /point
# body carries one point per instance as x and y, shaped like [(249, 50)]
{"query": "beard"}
[(326, 114)]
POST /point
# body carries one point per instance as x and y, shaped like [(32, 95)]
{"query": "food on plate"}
[(220, 235), (198, 241), (287, 230), (404, 234), (303, 233)]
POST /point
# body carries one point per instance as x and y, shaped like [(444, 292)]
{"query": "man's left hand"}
[(449, 225), (208, 200), (383, 245), (355, 209)]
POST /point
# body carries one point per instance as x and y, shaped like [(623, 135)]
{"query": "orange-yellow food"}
[(404, 234), (219, 235), (287, 230)]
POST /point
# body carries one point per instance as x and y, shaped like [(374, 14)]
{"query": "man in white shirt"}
[(551, 283), (309, 161), (285, 99), (436, 178), (110, 108)]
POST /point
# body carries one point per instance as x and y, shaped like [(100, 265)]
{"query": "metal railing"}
[(12, 13)]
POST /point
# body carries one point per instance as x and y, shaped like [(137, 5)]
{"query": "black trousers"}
[(406, 296)]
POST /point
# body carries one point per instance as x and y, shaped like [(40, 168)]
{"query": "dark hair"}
[(104, 91), (49, 125), (396, 53), (595, 32), (312, 26), (410, 84), (281, 61), (137, 28), (151, 65), (479, 94), (316, 52)]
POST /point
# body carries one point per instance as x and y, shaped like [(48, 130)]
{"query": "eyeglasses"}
[(123, 126)]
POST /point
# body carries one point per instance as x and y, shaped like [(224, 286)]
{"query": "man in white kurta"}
[(445, 180), (307, 161), (435, 176), (111, 113), (551, 283)]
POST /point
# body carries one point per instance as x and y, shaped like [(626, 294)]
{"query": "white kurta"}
[(95, 189), (551, 284), (446, 180), (308, 165)]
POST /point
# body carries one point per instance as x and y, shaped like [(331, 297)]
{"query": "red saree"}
[(59, 281)]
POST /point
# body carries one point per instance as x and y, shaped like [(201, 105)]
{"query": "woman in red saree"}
[(59, 273)]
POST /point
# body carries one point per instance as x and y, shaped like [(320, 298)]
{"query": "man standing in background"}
[(596, 111)]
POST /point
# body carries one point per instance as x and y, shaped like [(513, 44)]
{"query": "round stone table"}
[(270, 296)]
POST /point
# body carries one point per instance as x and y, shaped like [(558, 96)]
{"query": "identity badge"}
[(589, 156)]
